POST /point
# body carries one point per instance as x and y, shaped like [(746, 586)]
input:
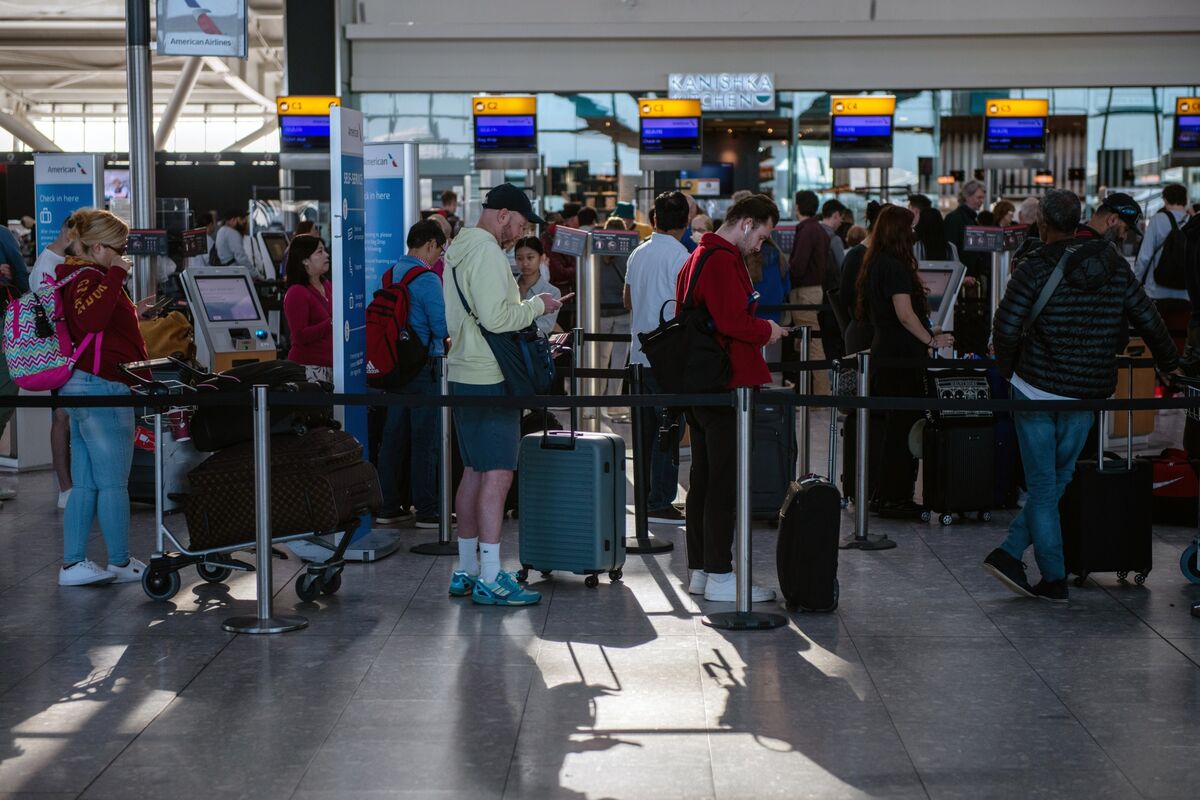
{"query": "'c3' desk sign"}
[(725, 91)]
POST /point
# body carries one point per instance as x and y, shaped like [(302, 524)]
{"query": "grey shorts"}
[(488, 437)]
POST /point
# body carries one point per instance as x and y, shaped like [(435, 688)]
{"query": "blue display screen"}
[(671, 135), (1187, 132), (303, 133), (509, 134), (862, 133), (1015, 134)]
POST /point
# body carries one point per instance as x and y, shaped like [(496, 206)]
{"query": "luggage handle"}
[(546, 443), (1102, 433)]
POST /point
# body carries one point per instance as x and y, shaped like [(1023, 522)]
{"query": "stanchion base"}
[(745, 621), (1196, 609), (435, 549), (280, 623), (647, 546), (869, 543)]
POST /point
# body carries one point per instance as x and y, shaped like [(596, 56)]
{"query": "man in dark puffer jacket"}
[(1069, 353)]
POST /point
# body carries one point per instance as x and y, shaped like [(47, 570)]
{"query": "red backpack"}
[(395, 354)]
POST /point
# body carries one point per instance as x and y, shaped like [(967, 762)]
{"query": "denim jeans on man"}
[(663, 470), (101, 454), (1050, 443), (412, 433)]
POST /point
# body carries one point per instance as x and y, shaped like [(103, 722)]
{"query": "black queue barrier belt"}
[(795, 307), (615, 338), (618, 374)]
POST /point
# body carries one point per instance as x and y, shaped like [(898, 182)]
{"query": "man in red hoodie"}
[(724, 289)]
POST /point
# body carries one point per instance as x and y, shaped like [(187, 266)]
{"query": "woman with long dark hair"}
[(892, 297), (931, 243), (308, 303)]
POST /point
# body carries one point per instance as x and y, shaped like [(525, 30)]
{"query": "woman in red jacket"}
[(723, 287), (308, 304), (96, 306)]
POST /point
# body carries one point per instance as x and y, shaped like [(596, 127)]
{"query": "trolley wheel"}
[(985, 516), (1123, 575), (160, 584), (330, 584), (614, 575), (946, 519), (307, 587), (1081, 580), (926, 516), (591, 581), (213, 573), (1140, 579), (1189, 564), (522, 574)]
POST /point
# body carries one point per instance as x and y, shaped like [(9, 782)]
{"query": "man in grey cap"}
[(480, 292)]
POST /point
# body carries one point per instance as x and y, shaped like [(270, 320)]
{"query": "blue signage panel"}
[(64, 183), (386, 222), (1015, 134)]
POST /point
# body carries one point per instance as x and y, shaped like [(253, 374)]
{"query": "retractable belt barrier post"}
[(804, 386), (743, 618), (862, 450), (443, 546), (266, 621), (642, 542)]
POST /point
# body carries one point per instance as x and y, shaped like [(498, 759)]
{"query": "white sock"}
[(489, 562), (468, 558)]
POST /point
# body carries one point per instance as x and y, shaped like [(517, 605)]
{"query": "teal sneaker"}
[(506, 591), (462, 583)]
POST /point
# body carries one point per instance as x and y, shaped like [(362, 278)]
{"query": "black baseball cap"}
[(1124, 206), (510, 198)]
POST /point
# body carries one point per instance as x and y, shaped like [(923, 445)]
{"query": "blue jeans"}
[(663, 474), (101, 454), (1050, 443), (411, 434)]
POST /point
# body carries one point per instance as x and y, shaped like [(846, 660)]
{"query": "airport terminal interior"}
[(275, 176)]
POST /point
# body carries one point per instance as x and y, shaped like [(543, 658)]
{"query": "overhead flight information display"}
[(505, 130), (860, 131), (670, 134), (1014, 132), (1185, 143), (304, 122)]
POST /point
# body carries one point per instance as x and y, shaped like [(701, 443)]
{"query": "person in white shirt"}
[(49, 259), (1172, 304), (650, 277), (231, 248)]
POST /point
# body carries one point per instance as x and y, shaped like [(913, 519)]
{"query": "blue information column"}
[(62, 184), (391, 183)]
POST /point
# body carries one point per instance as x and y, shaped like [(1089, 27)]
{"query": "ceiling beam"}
[(27, 133), (179, 98)]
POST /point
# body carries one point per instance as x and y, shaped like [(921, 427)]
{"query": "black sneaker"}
[(900, 509), (1054, 591), (668, 515), (428, 523), (1010, 572)]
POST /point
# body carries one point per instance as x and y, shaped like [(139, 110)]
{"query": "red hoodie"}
[(725, 289), (95, 303)]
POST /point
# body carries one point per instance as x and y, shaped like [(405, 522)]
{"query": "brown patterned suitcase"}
[(319, 483)]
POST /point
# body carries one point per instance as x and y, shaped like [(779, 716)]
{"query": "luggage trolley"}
[(161, 580), (1189, 562)]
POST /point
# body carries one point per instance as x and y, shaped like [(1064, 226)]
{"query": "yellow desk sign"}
[(1187, 106), (1008, 107), (874, 105), (488, 106), (305, 105), (668, 109)]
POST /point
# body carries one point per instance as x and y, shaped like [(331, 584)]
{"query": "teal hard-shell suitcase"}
[(571, 491)]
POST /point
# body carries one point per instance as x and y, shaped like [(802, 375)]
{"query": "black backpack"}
[(1171, 270)]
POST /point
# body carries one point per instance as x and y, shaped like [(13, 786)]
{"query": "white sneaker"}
[(698, 581), (723, 589), (84, 573), (130, 573), (63, 497)]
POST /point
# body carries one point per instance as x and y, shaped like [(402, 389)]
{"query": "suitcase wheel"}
[(946, 519), (985, 516), (160, 584), (926, 516), (1189, 563), (213, 573), (522, 574), (308, 587), (614, 575), (591, 581), (1140, 579)]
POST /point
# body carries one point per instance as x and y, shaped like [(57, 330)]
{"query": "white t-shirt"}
[(1034, 393), (1157, 229), (650, 274), (44, 268)]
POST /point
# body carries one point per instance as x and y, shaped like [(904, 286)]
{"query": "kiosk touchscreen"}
[(1014, 133), (230, 326), (1185, 142), (942, 281), (861, 131), (275, 243)]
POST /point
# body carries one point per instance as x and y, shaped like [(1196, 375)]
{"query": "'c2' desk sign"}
[(62, 184), (725, 91), (570, 241)]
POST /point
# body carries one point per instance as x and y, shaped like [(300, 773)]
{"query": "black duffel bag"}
[(684, 353), (217, 427)]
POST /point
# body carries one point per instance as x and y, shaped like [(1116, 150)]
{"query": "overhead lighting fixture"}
[(946, 180), (770, 130), (1043, 178)]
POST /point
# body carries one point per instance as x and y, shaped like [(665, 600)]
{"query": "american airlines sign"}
[(725, 91)]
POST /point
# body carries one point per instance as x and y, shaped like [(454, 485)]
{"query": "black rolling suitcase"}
[(958, 448), (806, 552), (1107, 515), (772, 459)]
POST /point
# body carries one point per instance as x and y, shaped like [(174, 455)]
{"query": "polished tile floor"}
[(929, 681)]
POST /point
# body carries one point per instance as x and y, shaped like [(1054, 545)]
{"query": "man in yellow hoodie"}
[(480, 292)]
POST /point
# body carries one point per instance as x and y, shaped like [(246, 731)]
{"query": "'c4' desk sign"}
[(725, 91)]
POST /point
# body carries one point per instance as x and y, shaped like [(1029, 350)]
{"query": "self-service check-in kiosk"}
[(942, 280), (230, 326)]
